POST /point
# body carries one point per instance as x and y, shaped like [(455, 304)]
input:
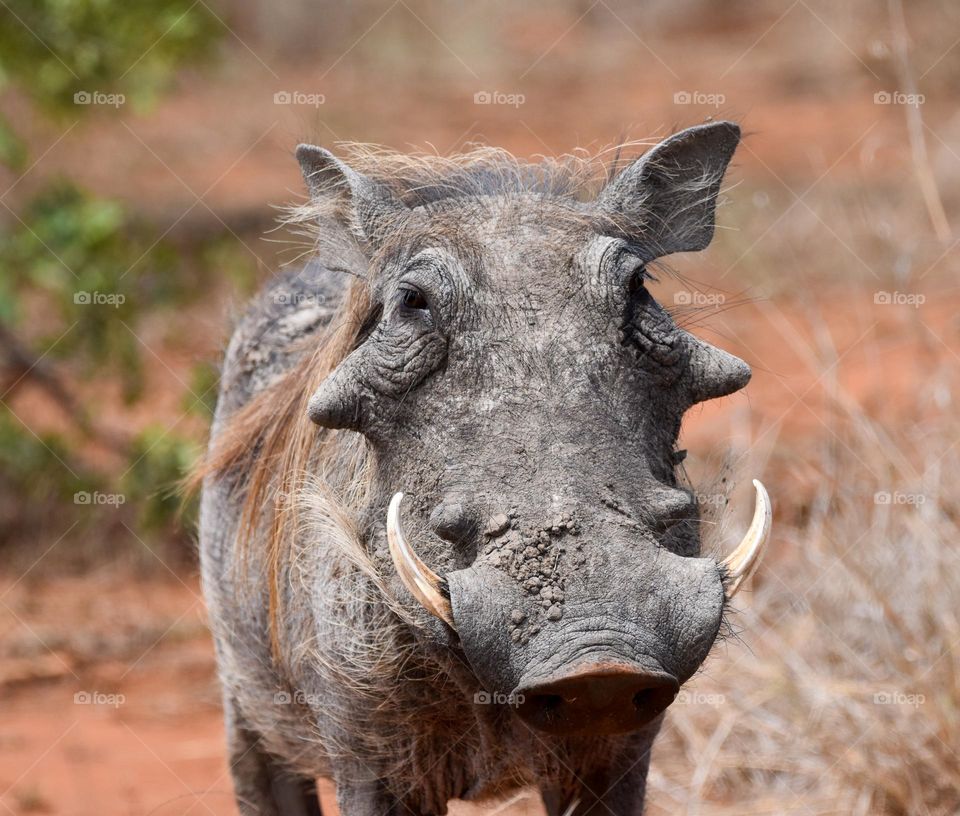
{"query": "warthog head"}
[(520, 385)]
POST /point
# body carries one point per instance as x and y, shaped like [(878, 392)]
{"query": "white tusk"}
[(424, 584), (741, 563)]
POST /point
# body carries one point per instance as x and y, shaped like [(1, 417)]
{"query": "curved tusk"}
[(741, 563), (424, 584)]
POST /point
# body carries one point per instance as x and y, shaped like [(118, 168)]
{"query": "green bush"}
[(82, 273)]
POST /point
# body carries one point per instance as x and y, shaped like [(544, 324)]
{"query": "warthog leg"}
[(263, 787)]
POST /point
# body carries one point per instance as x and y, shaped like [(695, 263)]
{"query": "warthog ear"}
[(666, 199), (366, 206)]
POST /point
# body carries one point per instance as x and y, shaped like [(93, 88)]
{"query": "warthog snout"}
[(596, 698), (590, 629)]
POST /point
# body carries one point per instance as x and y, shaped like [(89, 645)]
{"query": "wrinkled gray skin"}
[(528, 406)]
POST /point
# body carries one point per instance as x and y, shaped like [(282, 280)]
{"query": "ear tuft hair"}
[(367, 206)]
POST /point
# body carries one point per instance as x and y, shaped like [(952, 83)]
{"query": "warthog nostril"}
[(597, 699), (650, 702), (641, 698)]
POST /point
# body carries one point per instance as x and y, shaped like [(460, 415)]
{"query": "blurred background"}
[(144, 150)]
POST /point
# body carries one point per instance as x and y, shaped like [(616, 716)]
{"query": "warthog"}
[(477, 335)]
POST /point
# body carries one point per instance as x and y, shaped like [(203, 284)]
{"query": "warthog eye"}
[(635, 284), (636, 290), (413, 299)]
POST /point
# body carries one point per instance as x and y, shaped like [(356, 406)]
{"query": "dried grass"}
[(842, 696)]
